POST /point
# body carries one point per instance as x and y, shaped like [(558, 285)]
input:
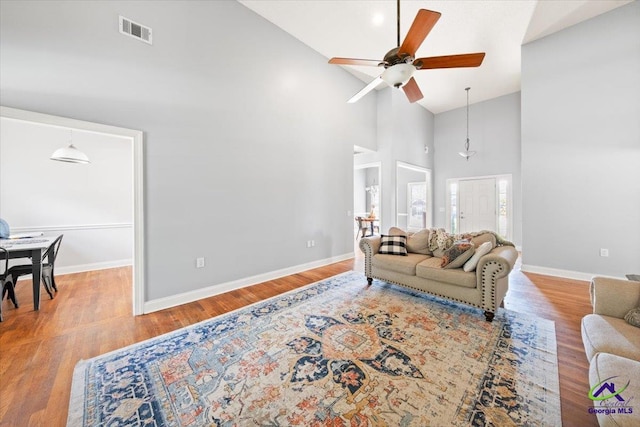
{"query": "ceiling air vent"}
[(135, 30)]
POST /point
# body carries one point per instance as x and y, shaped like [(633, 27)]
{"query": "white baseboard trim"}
[(70, 269), (187, 297), (93, 266), (567, 274)]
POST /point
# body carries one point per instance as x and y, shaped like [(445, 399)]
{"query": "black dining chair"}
[(47, 268), (6, 282)]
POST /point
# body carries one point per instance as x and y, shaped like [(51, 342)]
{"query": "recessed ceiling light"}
[(378, 19)]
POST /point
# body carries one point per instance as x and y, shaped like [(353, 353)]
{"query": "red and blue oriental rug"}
[(335, 353)]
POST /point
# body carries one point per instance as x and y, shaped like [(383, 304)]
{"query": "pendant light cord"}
[(398, 21), (466, 145)]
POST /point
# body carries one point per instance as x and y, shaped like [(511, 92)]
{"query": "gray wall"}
[(248, 138), (403, 130), (581, 146), (494, 133)]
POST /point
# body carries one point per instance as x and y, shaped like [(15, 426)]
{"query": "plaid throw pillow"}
[(393, 245)]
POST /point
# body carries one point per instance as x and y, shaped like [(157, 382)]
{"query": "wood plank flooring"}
[(91, 315)]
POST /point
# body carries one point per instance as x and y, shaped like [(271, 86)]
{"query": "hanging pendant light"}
[(467, 153), (70, 154)]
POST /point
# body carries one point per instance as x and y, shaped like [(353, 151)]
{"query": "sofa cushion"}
[(399, 264), (458, 254), (430, 269), (417, 243), (393, 245), (607, 334), (633, 317), (615, 371)]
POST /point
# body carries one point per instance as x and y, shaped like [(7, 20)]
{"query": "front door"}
[(477, 198)]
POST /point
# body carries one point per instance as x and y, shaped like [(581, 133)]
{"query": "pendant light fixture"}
[(70, 154), (467, 153)]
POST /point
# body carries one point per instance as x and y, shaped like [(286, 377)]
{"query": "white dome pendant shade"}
[(70, 154), (467, 153)]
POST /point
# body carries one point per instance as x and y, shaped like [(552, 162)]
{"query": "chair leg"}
[(8, 288), (47, 285)]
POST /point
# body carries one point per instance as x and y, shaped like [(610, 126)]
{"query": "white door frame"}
[(498, 178), (427, 180), (137, 139)]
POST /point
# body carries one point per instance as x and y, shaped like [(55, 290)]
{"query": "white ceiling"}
[(367, 29)]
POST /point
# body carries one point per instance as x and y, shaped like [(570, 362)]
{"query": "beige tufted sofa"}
[(613, 348), (484, 288)]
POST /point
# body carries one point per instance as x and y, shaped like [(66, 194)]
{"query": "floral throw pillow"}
[(393, 245), (457, 254), (633, 317)]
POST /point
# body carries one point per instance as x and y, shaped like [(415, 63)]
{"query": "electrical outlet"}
[(313, 243), (199, 262), (604, 252)]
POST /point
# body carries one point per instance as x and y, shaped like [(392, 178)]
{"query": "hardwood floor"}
[(92, 315)]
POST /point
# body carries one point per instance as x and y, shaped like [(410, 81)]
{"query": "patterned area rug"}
[(334, 353)]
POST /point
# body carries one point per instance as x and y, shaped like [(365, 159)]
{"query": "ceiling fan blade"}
[(450, 61), (412, 90), (353, 61), (368, 88), (422, 25)]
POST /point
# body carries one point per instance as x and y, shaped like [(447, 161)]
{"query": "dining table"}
[(30, 247), (372, 223)]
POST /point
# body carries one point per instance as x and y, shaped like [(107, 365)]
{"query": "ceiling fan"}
[(400, 62)]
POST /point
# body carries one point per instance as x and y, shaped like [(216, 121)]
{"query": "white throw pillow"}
[(481, 251)]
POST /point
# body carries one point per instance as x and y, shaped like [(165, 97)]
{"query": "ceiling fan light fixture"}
[(398, 75)]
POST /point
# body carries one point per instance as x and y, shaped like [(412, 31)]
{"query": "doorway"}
[(480, 203), (136, 139), (413, 197), (367, 191), (478, 210)]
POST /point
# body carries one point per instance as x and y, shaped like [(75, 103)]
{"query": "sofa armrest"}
[(492, 275), (369, 246), (500, 260), (614, 297)]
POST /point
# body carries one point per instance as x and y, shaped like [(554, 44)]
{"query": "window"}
[(453, 202), (503, 208)]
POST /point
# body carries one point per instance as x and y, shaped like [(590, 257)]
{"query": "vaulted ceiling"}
[(367, 29)]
